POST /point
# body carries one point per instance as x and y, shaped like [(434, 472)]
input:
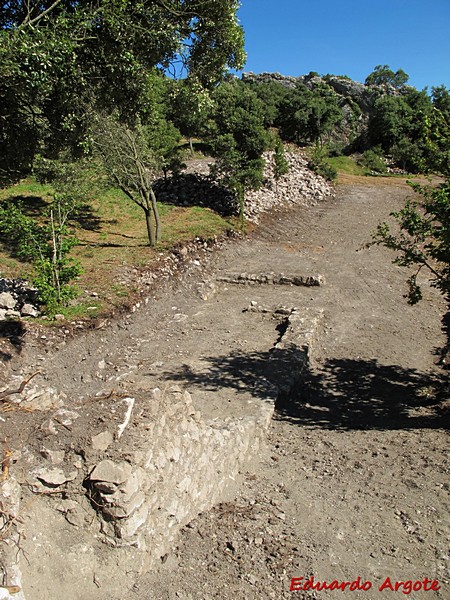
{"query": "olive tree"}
[(131, 165)]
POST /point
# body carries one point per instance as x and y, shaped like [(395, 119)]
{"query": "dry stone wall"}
[(182, 466)]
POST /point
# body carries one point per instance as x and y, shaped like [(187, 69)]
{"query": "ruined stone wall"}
[(181, 467), (121, 476)]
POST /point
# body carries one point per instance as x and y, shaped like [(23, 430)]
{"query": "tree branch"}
[(20, 388), (28, 21)]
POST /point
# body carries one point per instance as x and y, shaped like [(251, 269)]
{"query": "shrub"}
[(373, 160)]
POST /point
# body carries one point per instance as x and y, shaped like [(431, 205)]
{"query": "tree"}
[(423, 238), (307, 115), (383, 75), (190, 105), (280, 162), (271, 93), (238, 138), (59, 60), (130, 165)]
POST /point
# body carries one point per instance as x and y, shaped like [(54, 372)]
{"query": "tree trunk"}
[(191, 146), (156, 215), (150, 227)]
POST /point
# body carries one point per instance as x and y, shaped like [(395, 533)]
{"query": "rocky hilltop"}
[(356, 99)]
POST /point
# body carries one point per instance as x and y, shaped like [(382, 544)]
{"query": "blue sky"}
[(349, 37)]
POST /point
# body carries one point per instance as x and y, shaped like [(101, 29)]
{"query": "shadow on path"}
[(343, 394), (364, 394)]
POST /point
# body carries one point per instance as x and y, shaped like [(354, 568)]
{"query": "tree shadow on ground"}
[(345, 394), (33, 206), (13, 332), (364, 394), (240, 371), (191, 189), (87, 219)]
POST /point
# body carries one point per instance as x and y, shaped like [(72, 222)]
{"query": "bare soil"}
[(354, 479), (354, 482)]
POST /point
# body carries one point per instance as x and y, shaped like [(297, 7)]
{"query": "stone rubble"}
[(17, 299), (271, 279), (299, 186)]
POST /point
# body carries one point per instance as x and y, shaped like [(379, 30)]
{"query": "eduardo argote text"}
[(405, 587)]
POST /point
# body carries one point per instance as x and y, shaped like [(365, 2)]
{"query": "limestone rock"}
[(111, 472), (28, 310), (102, 441), (54, 477), (7, 301)]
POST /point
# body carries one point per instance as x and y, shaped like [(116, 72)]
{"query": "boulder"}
[(7, 301)]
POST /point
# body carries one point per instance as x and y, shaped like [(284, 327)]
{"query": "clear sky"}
[(349, 37)]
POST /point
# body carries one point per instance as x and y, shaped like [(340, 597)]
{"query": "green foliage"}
[(372, 159), (272, 94), (423, 239), (413, 129), (190, 105), (306, 116), (383, 75), (320, 164), (163, 138), (392, 120), (280, 162), (408, 156), (61, 61), (238, 138), (46, 244)]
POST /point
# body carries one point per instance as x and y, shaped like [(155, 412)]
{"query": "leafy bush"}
[(372, 160), (47, 246), (320, 164), (423, 239)]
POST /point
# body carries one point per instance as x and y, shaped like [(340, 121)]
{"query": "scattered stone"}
[(12, 314), (7, 300), (28, 310), (54, 477), (55, 456), (110, 472), (102, 441)]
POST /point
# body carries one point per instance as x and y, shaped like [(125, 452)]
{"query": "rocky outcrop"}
[(355, 99)]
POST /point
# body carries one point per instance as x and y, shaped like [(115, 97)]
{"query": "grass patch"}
[(348, 165), (112, 242)]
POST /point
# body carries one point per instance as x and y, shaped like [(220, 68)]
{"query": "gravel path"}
[(354, 478), (354, 481)]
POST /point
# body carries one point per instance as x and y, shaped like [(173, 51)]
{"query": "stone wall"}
[(116, 473), (182, 467), (104, 485)]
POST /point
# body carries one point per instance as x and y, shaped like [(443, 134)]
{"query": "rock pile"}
[(17, 299), (299, 186), (197, 189)]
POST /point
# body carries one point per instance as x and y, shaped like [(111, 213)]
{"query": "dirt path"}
[(355, 478)]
